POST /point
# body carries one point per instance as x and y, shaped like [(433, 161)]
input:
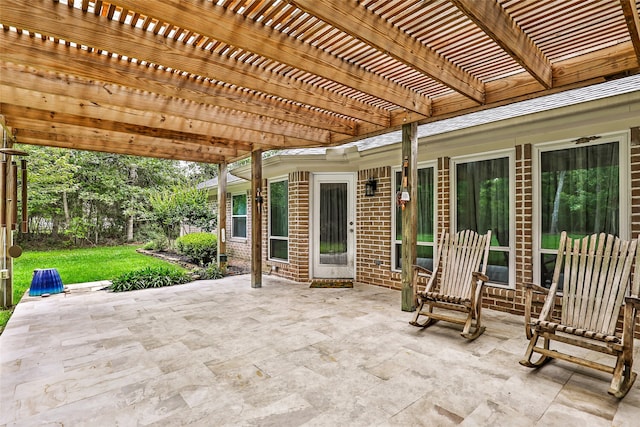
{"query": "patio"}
[(222, 353)]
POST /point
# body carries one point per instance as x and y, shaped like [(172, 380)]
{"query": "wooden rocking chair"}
[(456, 282), (596, 273)]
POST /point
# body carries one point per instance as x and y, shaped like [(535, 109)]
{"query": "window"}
[(579, 189), (426, 218), (279, 220), (239, 215), (482, 202)]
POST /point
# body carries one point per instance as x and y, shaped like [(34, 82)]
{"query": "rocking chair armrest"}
[(536, 288), (530, 289), (480, 276), (422, 270), (633, 300)]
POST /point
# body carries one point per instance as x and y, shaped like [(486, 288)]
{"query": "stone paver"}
[(221, 353)]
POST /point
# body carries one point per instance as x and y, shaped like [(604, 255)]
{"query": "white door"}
[(333, 240)]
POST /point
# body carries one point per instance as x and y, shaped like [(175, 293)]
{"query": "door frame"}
[(332, 271)]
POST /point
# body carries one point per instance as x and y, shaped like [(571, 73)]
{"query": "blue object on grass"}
[(45, 281)]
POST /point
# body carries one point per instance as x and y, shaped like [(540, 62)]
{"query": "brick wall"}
[(635, 182), (373, 250), (635, 193), (373, 225)]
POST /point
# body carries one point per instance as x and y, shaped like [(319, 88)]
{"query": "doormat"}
[(332, 284)]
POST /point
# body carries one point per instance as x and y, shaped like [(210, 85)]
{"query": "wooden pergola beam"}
[(227, 148), (74, 137), (48, 55), (362, 24), (231, 28), (131, 120), (90, 96), (572, 73), (56, 20), (497, 24), (633, 23)]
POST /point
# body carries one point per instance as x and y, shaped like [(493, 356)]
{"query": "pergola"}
[(215, 81)]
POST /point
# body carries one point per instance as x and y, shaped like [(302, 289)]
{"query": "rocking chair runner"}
[(596, 281), (456, 282)]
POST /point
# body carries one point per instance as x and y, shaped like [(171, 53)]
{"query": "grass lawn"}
[(78, 266)]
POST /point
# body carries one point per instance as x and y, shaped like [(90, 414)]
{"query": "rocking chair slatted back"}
[(462, 253), (456, 283), (596, 279)]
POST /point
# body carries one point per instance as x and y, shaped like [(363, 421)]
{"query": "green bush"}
[(149, 278), (158, 243), (210, 271), (202, 248)]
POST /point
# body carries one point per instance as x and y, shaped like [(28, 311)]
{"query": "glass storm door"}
[(333, 240)]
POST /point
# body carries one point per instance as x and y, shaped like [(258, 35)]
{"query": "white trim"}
[(348, 272), (269, 237), (394, 239), (624, 168), (490, 155), (246, 217)]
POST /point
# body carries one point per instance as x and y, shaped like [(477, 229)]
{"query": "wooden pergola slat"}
[(300, 74), (362, 24)]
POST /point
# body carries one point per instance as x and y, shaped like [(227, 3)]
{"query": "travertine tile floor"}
[(219, 353)]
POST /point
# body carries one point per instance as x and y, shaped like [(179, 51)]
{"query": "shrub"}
[(210, 271), (149, 278), (159, 243), (202, 248)]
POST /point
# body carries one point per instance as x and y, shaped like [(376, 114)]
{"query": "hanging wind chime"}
[(402, 197), (9, 195)]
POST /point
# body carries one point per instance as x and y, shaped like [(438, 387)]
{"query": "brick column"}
[(444, 199), (298, 268), (373, 225), (524, 215)]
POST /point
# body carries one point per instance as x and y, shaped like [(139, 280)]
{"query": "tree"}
[(51, 179), (93, 197), (181, 205)]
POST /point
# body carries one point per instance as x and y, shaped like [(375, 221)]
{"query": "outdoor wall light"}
[(370, 187)]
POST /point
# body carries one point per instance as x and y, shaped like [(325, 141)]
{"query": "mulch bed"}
[(183, 261)]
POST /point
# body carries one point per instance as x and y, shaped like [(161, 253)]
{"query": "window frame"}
[(624, 177), (245, 216), (269, 236), (395, 241), (478, 157)]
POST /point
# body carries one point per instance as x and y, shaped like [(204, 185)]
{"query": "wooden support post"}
[(409, 212), (6, 262), (256, 219), (222, 214)]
